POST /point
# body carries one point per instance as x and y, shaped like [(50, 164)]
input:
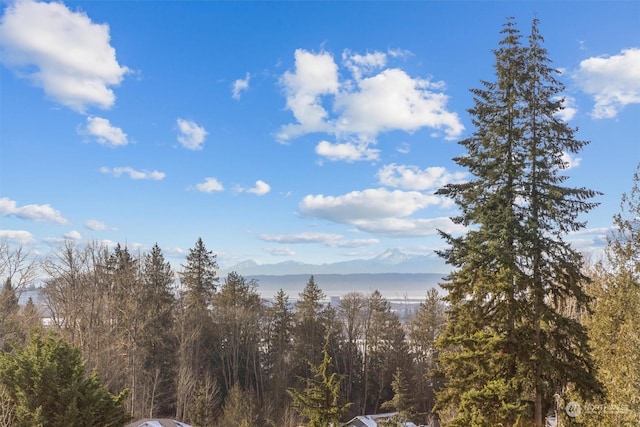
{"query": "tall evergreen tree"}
[(507, 347), (196, 330), (158, 345), (309, 329), (9, 316), (277, 336), (320, 401)]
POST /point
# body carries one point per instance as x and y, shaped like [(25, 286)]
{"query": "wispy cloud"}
[(325, 239), (280, 251), (62, 51), (95, 225), (190, 135), (105, 133), (133, 173), (31, 212), (613, 81), (209, 185), (239, 86)]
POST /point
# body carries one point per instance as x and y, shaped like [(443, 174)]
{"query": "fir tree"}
[(319, 402), (403, 400), (508, 347)]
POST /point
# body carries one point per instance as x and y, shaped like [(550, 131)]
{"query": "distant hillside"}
[(390, 285), (391, 261)]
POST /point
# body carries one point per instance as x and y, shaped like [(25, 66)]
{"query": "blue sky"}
[(312, 131)]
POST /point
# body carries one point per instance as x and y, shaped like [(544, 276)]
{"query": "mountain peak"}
[(393, 256)]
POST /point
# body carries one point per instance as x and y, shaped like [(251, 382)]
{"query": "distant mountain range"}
[(395, 274), (391, 261)]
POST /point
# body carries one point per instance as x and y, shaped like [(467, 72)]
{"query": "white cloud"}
[(30, 212), (326, 239), (392, 100), (408, 227), (280, 251), (73, 235), (315, 75), (360, 65), (362, 107), (261, 188), (62, 51), (305, 237), (366, 205), (570, 161), (95, 225), (569, 109), (190, 135), (133, 173), (414, 178), (240, 86), (614, 81), (348, 151), (20, 237), (105, 133), (209, 185)]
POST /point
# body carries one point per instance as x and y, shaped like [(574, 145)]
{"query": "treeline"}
[(212, 352)]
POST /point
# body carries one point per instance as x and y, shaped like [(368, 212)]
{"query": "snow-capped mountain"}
[(390, 261)]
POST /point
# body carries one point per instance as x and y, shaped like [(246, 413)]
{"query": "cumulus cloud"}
[(393, 100), (374, 100), (260, 189), (315, 75), (95, 225), (190, 135), (347, 151), (613, 81), (240, 86), (20, 237), (30, 212), (105, 133), (414, 178), (209, 185), (367, 204), (326, 239), (63, 52), (133, 173)]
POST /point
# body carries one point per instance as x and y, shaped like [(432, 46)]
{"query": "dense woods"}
[(523, 326)]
